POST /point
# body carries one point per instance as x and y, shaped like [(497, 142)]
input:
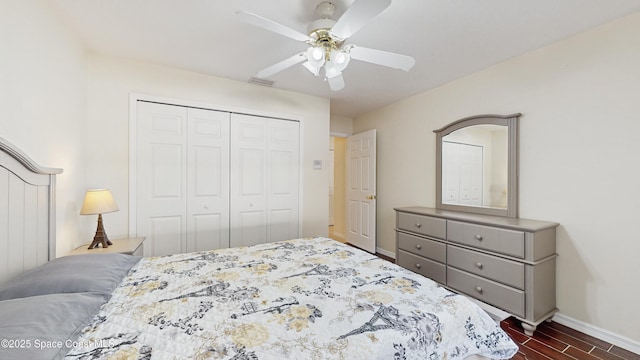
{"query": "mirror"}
[(476, 165)]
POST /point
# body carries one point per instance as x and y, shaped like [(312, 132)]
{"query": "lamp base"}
[(101, 236), (97, 241)]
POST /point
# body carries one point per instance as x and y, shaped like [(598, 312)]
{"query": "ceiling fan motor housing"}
[(319, 30), (325, 9)]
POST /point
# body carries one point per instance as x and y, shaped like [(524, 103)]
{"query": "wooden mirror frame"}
[(511, 121)]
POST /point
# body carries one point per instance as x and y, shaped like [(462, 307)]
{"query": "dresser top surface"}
[(505, 222)]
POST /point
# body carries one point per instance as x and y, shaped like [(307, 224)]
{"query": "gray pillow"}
[(70, 274), (44, 327)]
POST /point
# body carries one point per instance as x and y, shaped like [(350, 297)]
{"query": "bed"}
[(311, 298)]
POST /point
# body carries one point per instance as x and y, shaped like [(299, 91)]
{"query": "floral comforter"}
[(298, 299)]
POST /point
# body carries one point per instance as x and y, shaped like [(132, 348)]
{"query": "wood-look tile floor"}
[(555, 341)]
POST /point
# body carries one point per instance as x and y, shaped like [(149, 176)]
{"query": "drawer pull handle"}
[(418, 246), (418, 225), (479, 237), (479, 265), (418, 266), (479, 289)]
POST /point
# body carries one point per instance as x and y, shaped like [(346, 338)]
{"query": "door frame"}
[(133, 151)]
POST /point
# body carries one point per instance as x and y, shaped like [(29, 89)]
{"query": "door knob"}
[(371, 197)]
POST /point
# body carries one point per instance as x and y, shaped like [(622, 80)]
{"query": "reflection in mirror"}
[(476, 165)]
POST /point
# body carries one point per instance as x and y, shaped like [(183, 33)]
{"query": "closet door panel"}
[(283, 184), (248, 180), (165, 233), (208, 180), (250, 228), (161, 177)]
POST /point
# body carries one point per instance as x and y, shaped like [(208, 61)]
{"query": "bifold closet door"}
[(207, 180), (182, 171), (264, 180)]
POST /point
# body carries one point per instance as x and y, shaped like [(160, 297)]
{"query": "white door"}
[(208, 180), (283, 171), (361, 190), (182, 167), (248, 180), (161, 167), (264, 180)]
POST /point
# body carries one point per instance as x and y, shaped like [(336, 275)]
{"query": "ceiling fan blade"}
[(272, 26), (336, 83), (383, 58), (282, 65), (357, 16)]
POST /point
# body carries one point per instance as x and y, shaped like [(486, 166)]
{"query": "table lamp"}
[(99, 201)]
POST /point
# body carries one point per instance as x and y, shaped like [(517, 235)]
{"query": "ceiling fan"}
[(327, 53)]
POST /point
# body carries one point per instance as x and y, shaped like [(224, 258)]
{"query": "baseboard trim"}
[(602, 334), (386, 252)]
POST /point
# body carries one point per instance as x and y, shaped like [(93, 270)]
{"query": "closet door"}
[(264, 180), (161, 167), (208, 180), (283, 179), (182, 178), (248, 180)]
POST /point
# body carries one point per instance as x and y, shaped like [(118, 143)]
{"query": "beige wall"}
[(341, 125), (43, 101), (579, 143), (112, 80)]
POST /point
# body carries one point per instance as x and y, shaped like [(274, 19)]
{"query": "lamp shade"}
[(98, 201)]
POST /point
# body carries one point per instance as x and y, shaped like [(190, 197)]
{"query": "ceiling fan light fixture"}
[(315, 56), (331, 70), (340, 59), (327, 52), (314, 70)]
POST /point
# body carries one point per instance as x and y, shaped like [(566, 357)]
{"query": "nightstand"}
[(130, 246)]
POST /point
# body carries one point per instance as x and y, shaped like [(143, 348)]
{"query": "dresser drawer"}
[(425, 267), (504, 241), (491, 292), (502, 270), (422, 224), (431, 249)]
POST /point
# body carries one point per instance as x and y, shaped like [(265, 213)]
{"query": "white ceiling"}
[(448, 38)]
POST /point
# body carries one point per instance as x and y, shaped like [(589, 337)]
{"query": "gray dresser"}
[(509, 263)]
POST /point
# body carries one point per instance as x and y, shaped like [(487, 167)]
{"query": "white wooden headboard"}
[(27, 212)]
